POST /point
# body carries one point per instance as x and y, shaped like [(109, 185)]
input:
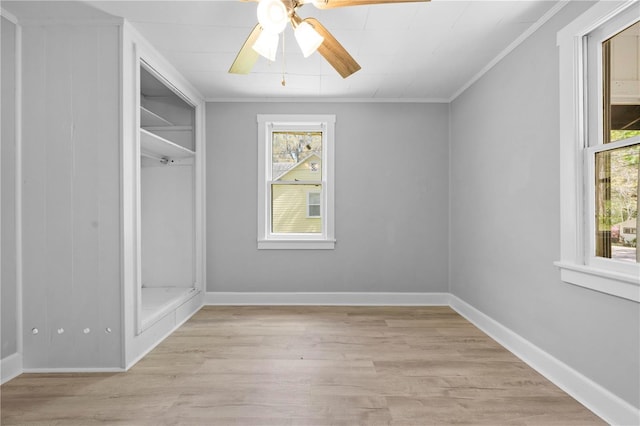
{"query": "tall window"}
[(600, 149), (613, 139), (295, 199)]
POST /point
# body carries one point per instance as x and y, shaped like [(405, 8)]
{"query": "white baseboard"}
[(74, 370), (10, 367), (328, 299), (599, 400)]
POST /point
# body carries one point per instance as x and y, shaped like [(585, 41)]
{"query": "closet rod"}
[(163, 160)]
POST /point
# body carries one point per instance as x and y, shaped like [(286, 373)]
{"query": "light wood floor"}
[(306, 366)]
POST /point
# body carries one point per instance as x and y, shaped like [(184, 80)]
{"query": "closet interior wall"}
[(166, 197)]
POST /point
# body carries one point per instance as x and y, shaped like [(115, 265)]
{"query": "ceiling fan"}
[(311, 35)]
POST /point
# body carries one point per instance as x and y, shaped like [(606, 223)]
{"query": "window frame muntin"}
[(573, 263), (267, 124)]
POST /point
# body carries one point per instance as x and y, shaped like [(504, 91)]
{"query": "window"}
[(600, 149), (313, 204), (613, 139), (295, 188)]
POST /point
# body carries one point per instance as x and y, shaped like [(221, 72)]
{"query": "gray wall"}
[(71, 205), (505, 219), (391, 202), (8, 179)]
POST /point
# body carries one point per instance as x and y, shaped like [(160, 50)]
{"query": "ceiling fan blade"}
[(333, 52), (331, 4), (247, 57)]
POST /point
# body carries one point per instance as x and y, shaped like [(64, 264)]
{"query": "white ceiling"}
[(408, 51)]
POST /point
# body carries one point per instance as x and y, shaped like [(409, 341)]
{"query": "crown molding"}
[(8, 16), (330, 100), (517, 42)]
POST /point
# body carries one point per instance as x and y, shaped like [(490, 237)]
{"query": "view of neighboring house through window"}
[(615, 152), (297, 182)]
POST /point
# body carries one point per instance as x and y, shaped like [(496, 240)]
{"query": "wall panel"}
[(391, 202), (9, 279), (71, 199)]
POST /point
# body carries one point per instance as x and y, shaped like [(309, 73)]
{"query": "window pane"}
[(621, 74), (314, 210), (617, 173), (314, 198), (296, 156), (289, 209)]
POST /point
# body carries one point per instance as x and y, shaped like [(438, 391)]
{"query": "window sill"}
[(615, 284), (296, 244)]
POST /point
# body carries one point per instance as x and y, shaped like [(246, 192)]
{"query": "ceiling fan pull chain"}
[(284, 64)]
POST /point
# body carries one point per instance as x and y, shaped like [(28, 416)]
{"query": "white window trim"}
[(272, 122), (574, 264)]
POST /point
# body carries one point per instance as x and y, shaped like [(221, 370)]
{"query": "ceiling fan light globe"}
[(308, 38), (272, 15), (267, 45)]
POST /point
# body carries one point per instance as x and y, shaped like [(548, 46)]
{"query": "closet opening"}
[(167, 262)]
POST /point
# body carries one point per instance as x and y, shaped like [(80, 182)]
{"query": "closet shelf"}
[(150, 118), (168, 128), (156, 146)]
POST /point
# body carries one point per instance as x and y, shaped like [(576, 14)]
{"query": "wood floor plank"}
[(306, 365)]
